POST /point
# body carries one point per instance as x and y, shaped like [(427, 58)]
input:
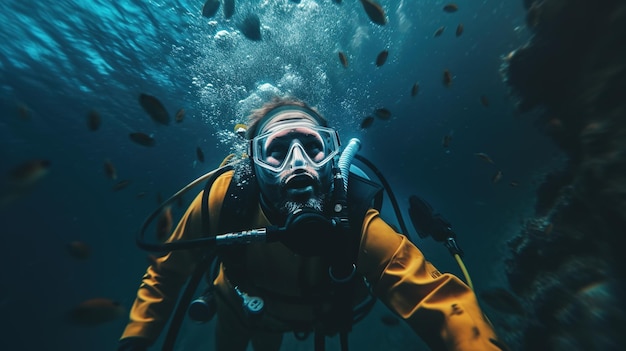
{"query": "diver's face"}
[(293, 164)]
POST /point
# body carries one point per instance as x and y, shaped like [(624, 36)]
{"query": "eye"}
[(313, 148), (277, 150)]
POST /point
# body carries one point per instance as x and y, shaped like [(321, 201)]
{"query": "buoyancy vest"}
[(242, 198)]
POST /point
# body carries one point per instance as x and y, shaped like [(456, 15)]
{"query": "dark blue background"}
[(62, 59)]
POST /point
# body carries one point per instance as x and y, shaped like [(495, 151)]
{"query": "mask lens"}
[(276, 147)]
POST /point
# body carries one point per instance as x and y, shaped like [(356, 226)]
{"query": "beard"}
[(313, 203)]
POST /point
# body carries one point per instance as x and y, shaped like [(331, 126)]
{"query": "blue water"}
[(62, 59)]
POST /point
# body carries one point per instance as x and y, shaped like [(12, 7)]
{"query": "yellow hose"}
[(465, 273)]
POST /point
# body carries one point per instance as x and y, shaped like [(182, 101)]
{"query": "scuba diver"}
[(292, 240)]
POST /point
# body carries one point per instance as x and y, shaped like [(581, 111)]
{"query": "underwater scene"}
[(505, 117)]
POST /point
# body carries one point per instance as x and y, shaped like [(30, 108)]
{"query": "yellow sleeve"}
[(161, 284), (440, 308)]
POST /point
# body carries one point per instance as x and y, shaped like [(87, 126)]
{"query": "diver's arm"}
[(440, 308), (161, 284)]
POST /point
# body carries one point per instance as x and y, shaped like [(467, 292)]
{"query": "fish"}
[(513, 184), (154, 108), (210, 8), (447, 78), (251, 27), (496, 177), (229, 8), (367, 122), (96, 311), (93, 120), (483, 156), (141, 194), (142, 139), (450, 8), (439, 31), (484, 101), (374, 11), (459, 30), (415, 89), (382, 113), (79, 250), (164, 224), (109, 169), (29, 172), (445, 141), (502, 300), (199, 154), (24, 112), (382, 58), (390, 320), (121, 185), (343, 59), (180, 115)]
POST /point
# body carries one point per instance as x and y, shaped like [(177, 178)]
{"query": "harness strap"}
[(362, 195)]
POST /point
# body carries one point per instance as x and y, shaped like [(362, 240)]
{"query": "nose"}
[(297, 157)]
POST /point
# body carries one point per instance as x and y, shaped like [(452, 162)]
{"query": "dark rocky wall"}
[(567, 265)]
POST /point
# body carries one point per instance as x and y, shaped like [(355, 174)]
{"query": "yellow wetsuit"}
[(440, 308)]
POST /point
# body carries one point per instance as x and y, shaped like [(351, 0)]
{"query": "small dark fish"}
[(459, 29), (484, 101), (141, 194), (96, 311), (496, 177), (445, 142), (390, 320), (23, 111), (159, 198), (210, 8), (229, 8), (121, 185), (451, 8), (367, 122), (109, 169), (374, 11), (483, 156), (200, 154), (79, 250), (343, 59), (180, 115), (29, 172), (164, 224), (93, 120), (382, 58), (251, 27), (439, 31), (382, 113), (142, 139), (154, 108), (503, 301), (415, 89), (447, 78)]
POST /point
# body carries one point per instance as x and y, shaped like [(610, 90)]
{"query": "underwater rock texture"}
[(567, 264)]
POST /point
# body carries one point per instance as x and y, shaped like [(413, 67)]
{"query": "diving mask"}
[(301, 141)]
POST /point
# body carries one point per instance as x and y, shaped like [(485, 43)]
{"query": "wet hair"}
[(257, 116)]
